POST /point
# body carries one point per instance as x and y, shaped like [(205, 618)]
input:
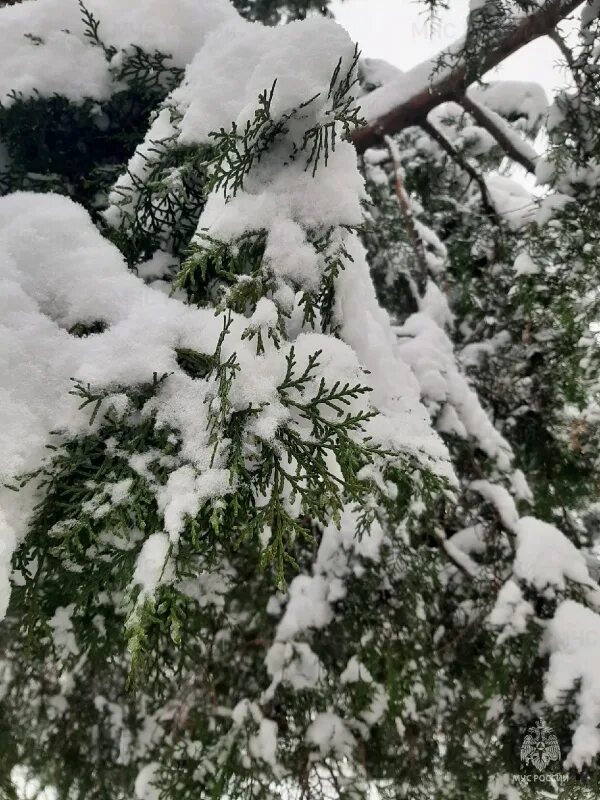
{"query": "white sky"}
[(398, 31)]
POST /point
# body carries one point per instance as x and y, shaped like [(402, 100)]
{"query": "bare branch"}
[(406, 210), (415, 103)]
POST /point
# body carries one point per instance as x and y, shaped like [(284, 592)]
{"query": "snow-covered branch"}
[(509, 140), (449, 148), (409, 98)]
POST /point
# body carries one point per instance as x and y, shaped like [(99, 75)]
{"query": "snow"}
[(526, 150), (310, 599), (185, 492), (144, 783), (355, 672), (283, 199), (67, 63), (123, 195), (63, 637), (249, 59), (367, 328), (470, 540), (329, 734), (294, 664), (573, 640), (520, 487), (376, 72), (427, 348), (524, 100), (502, 501), (152, 566), (511, 200), (525, 265), (7, 545), (546, 558), (511, 611), (263, 745), (406, 84), (50, 280), (307, 606)]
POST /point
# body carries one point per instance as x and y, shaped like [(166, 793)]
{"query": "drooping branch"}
[(514, 147), (568, 56), (449, 148), (408, 100)]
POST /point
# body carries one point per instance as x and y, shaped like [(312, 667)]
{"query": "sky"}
[(399, 32)]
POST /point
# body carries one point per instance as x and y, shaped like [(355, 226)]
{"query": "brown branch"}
[(406, 211), (486, 121), (446, 87)]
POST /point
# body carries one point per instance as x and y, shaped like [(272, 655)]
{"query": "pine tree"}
[(299, 479)]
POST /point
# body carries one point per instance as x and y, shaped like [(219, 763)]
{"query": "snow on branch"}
[(409, 98), (509, 140)]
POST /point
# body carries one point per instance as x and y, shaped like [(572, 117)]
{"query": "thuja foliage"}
[(272, 12), (234, 581), (523, 319)]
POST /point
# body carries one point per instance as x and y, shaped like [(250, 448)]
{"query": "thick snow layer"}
[(546, 558), (144, 783), (424, 345), (526, 150), (525, 265), (524, 100), (152, 563), (249, 59), (502, 501), (328, 733), (44, 47), (402, 86), (512, 200), (573, 640)]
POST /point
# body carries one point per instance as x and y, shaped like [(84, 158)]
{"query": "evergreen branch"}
[(91, 26)]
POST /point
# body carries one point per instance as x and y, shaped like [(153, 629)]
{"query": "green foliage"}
[(238, 151), (102, 676)]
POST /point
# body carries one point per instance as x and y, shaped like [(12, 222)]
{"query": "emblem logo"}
[(540, 746)]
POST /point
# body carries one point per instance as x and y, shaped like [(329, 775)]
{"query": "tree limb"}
[(485, 119), (405, 207), (449, 148), (414, 105), (567, 55)]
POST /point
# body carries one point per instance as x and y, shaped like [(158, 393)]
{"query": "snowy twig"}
[(449, 148), (410, 98), (567, 55), (508, 139)]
